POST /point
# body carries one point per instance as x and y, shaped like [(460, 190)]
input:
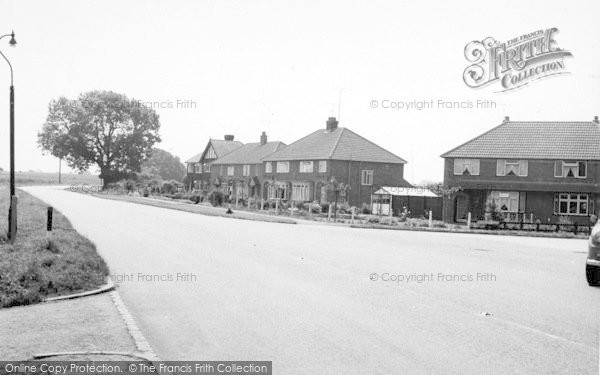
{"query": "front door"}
[(460, 208)]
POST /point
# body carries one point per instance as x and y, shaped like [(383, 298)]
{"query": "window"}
[(300, 191), (230, 170), (206, 168), (576, 169), (283, 166), (197, 168), (506, 201), (268, 167), (367, 177), (278, 190), (306, 167), (466, 167), (190, 168), (246, 170), (512, 168), (241, 190), (323, 166), (572, 204)]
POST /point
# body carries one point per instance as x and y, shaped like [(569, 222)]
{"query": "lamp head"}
[(12, 42)]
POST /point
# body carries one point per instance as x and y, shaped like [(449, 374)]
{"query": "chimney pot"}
[(506, 119), (263, 138), (596, 120), (332, 124), (229, 137)]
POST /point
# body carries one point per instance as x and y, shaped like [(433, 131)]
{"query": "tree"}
[(100, 128), (165, 165)]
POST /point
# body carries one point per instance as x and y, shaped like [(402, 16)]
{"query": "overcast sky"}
[(279, 67)]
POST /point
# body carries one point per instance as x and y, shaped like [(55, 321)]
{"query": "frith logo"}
[(514, 63)]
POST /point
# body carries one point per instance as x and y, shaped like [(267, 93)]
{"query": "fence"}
[(540, 227)]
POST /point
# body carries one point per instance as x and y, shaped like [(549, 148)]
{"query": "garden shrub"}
[(216, 198)]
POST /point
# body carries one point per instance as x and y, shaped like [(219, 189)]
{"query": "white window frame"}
[(366, 177), (268, 167), (565, 166), (300, 191), (322, 166), (306, 167), (206, 167), (230, 170), (518, 167), (510, 199), (246, 170), (283, 167), (190, 167), (578, 199), (461, 165), (278, 191)]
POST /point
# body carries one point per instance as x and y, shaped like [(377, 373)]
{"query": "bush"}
[(366, 210), (216, 198), (325, 207), (167, 188), (344, 208), (195, 198)]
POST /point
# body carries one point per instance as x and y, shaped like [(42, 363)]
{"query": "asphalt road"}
[(314, 298)]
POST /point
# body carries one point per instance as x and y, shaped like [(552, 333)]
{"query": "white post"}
[(469, 221), (531, 218), (277, 205), (430, 219), (352, 220), (292, 206), (262, 204), (390, 209), (329, 213)]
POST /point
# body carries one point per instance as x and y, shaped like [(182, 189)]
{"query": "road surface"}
[(335, 300)]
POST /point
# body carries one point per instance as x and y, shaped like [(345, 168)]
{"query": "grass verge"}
[(34, 267), (198, 209)]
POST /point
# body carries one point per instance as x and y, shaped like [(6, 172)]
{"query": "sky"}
[(242, 67)]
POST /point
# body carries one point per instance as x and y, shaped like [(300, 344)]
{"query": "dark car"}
[(592, 264)]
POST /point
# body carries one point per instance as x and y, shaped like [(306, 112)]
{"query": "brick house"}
[(301, 171), (530, 170), (239, 173), (199, 166)]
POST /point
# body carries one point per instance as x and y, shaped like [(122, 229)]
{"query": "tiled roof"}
[(250, 153), (338, 144), (221, 147), (534, 140), (195, 158)]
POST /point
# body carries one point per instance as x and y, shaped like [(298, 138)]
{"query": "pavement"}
[(86, 324), (319, 299)]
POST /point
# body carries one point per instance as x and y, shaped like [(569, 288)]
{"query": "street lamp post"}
[(12, 211)]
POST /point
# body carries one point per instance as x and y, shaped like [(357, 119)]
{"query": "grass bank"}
[(34, 268)]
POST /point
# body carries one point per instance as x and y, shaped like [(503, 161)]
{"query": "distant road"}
[(311, 298)]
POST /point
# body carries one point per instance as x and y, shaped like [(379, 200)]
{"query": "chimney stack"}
[(506, 119), (229, 137), (332, 124), (596, 120), (263, 138)]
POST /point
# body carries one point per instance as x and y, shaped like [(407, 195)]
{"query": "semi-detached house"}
[(544, 170)]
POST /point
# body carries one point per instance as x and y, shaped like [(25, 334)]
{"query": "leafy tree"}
[(100, 128), (165, 165)]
